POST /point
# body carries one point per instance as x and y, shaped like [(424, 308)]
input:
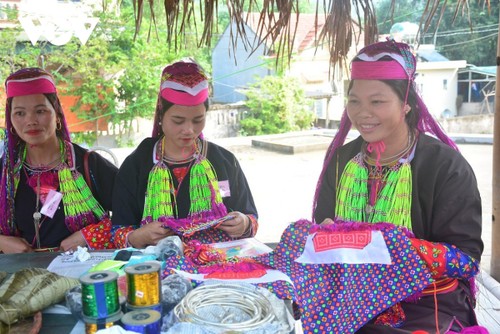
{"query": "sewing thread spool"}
[(93, 325), (143, 284), (142, 321), (100, 294)]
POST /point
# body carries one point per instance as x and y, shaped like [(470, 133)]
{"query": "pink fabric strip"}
[(378, 70), (40, 85), (182, 98)]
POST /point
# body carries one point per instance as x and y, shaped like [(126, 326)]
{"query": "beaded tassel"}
[(400, 213), (352, 191), (204, 194), (159, 201), (203, 187), (393, 202), (80, 206)]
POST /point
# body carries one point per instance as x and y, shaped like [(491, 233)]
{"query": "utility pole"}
[(495, 219)]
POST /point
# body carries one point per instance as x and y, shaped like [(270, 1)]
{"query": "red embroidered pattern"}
[(120, 236), (324, 241), (98, 235), (433, 254)]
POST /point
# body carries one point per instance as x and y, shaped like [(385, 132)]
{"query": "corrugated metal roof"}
[(485, 70)]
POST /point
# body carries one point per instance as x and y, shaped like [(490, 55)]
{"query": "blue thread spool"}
[(100, 294), (142, 321)]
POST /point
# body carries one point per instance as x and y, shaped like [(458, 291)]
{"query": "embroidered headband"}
[(184, 83), (42, 84), (379, 70)]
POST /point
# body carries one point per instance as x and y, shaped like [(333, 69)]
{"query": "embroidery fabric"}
[(341, 298)]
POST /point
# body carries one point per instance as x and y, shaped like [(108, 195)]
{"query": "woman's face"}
[(182, 125), (377, 112), (34, 119)]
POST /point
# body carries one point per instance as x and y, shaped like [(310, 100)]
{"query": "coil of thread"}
[(225, 306), (142, 321), (143, 286)]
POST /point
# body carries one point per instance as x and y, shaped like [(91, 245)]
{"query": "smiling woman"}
[(396, 175), (45, 203)]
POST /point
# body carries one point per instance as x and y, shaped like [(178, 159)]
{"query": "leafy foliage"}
[(276, 105), (115, 75), (455, 38)]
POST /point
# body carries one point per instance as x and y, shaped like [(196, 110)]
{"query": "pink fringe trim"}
[(346, 226)]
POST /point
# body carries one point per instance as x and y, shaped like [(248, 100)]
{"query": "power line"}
[(451, 33), (468, 41)]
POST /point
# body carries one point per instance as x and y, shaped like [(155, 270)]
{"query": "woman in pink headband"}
[(403, 170), (176, 182), (45, 202)]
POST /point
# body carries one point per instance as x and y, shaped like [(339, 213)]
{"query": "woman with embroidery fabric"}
[(176, 181), (45, 203), (396, 173)]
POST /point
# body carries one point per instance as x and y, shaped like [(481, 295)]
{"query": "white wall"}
[(437, 82)]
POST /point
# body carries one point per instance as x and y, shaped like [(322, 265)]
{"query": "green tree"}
[(276, 105), (454, 38), (457, 40), (115, 75)]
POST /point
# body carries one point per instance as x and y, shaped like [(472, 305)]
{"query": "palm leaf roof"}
[(339, 22)]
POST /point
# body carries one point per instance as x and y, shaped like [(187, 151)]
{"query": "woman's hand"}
[(73, 241), (148, 234), (235, 224), (12, 245)]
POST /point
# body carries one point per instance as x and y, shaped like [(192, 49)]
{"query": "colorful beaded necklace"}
[(80, 206), (372, 192), (204, 194)]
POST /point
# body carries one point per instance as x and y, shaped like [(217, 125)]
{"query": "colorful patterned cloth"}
[(281, 288), (342, 297)]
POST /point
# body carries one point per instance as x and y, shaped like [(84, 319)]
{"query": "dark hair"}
[(399, 87)]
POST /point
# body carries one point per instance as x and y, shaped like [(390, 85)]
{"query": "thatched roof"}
[(277, 21)]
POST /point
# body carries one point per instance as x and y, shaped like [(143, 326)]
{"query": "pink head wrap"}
[(379, 70), (183, 83), (43, 84)]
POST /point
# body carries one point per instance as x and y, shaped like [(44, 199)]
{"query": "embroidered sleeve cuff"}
[(120, 235), (446, 260), (98, 236)]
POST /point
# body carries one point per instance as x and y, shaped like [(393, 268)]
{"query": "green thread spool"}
[(100, 294), (94, 325), (143, 284)]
